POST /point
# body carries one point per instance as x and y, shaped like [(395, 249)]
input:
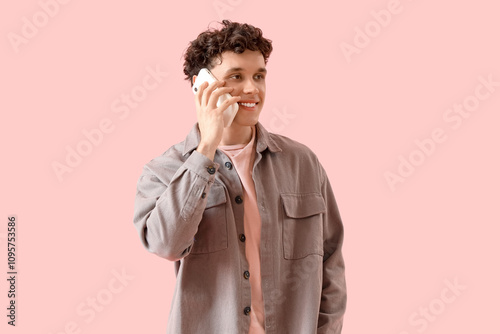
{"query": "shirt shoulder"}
[(292, 147), (297, 156)]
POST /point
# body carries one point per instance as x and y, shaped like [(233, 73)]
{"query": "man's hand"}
[(210, 118)]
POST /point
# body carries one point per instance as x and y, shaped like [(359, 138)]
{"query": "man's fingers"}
[(199, 93), (208, 95), (222, 91), (230, 101), (208, 91), (212, 102)]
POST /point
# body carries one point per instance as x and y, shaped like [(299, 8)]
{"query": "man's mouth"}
[(248, 105)]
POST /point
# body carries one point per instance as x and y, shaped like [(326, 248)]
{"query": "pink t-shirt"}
[(243, 157)]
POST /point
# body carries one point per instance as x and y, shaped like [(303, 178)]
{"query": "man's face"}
[(246, 73)]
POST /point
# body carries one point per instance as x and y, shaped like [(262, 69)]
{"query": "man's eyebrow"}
[(237, 69)]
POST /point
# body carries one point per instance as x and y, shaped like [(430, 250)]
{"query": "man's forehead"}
[(248, 60)]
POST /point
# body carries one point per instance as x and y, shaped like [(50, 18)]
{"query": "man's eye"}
[(259, 76), (236, 76)]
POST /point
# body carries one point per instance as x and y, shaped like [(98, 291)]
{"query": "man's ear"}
[(194, 79)]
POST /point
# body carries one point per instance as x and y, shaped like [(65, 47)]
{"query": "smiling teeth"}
[(249, 105)]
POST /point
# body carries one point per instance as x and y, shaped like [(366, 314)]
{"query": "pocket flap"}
[(303, 205), (216, 196)]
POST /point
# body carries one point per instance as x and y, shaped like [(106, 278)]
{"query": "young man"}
[(249, 217)]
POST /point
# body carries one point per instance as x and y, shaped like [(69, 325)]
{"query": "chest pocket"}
[(302, 224), (212, 231)]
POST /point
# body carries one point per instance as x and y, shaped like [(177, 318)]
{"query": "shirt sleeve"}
[(334, 294), (167, 212)]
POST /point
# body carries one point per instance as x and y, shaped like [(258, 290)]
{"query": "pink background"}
[(358, 113)]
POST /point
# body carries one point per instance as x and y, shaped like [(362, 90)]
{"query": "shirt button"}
[(238, 199), (242, 237), (246, 274), (246, 310), (203, 195), (228, 165), (211, 169)]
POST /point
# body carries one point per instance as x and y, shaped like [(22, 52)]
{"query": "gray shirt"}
[(188, 209)]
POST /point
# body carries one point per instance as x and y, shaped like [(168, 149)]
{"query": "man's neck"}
[(236, 134)]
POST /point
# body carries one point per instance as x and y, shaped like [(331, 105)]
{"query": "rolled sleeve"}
[(168, 210)]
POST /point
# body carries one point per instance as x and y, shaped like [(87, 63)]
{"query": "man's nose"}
[(250, 87)]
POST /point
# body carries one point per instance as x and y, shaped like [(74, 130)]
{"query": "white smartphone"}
[(230, 112)]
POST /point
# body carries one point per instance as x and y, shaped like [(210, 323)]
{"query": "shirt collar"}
[(263, 138)]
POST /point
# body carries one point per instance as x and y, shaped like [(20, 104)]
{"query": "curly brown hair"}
[(210, 44)]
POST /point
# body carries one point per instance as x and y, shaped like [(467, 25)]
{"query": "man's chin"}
[(250, 120)]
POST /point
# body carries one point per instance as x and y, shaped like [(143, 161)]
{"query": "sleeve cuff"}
[(201, 165)]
